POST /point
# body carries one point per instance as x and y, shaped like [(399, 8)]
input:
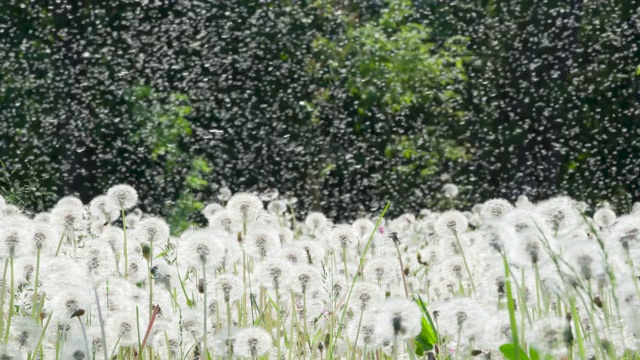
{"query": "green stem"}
[(511, 307), (35, 286), (4, 282), (466, 265), (205, 307), (150, 263), (60, 241), (126, 251), (404, 277), (11, 301), (353, 282)]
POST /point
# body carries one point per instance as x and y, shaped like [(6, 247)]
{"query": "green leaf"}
[(509, 352), (638, 70), (533, 354), (428, 336)]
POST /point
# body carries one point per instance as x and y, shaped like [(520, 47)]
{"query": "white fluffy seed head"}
[(252, 342), (604, 217), (399, 319), (450, 224), (315, 220), (152, 229), (123, 196), (245, 206), (450, 190), (495, 209), (100, 208)]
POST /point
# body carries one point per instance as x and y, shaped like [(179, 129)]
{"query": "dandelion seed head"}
[(152, 229), (399, 319), (365, 296), (495, 209), (245, 206), (103, 210), (604, 217), (277, 207), (261, 242), (123, 196), (451, 224), (547, 336), (381, 271), (315, 220), (450, 190), (273, 273), (252, 342)]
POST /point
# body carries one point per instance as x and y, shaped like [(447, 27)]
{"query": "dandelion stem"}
[(4, 282), (230, 351), (11, 301), (355, 342), (60, 241), (39, 343), (84, 334), (464, 261), (156, 309), (205, 308), (101, 320), (126, 251), (150, 276), (404, 276), (35, 312), (353, 282), (511, 307)]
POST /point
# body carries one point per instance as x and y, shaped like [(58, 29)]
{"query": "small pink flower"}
[(381, 230)]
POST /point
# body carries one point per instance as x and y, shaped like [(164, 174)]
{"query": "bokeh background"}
[(344, 105)]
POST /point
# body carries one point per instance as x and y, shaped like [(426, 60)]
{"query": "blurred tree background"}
[(344, 104)]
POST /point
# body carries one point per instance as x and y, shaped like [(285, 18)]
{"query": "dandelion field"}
[(521, 281)]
